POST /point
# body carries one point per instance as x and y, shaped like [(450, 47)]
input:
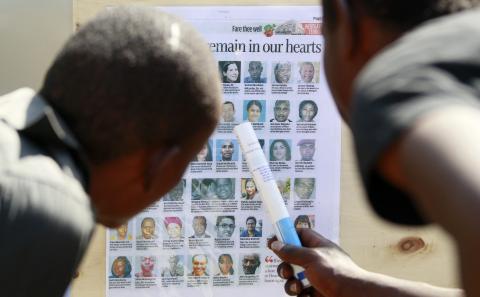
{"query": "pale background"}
[(31, 33)]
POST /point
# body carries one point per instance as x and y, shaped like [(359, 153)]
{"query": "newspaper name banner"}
[(208, 236)]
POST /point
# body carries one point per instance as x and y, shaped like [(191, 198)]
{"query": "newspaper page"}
[(208, 236)]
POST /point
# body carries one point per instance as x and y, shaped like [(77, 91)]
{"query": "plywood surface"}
[(424, 254)]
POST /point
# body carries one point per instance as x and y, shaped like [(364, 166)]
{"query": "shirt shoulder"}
[(439, 67)]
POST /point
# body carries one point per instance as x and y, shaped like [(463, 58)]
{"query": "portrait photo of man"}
[(227, 150), (175, 267), (199, 226), (281, 112), (147, 229), (228, 112), (251, 264), (225, 188), (255, 70), (282, 72), (251, 229), (306, 148), (213, 189), (204, 189), (176, 194), (304, 188), (306, 73), (225, 226), (199, 265)]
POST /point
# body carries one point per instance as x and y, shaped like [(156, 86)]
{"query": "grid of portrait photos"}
[(211, 230)]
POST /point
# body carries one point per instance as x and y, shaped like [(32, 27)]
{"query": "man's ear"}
[(164, 168)]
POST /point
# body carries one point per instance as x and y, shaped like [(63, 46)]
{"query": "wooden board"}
[(424, 254)]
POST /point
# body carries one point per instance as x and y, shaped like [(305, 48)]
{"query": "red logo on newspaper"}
[(312, 28), (268, 30)]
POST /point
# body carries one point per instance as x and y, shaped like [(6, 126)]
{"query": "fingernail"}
[(277, 245)]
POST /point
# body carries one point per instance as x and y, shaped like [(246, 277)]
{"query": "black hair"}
[(254, 102), (149, 219), (395, 14), (129, 79), (220, 218), (203, 218), (302, 219), (251, 218), (229, 102), (305, 102)]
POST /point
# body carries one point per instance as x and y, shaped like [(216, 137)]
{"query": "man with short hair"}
[(251, 263), (227, 150), (307, 72), (281, 111), (228, 112), (199, 226), (307, 149), (199, 265), (225, 188), (147, 229), (255, 70), (405, 78), (251, 228), (100, 141), (225, 226), (304, 187)]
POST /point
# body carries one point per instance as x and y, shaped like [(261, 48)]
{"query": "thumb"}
[(293, 254)]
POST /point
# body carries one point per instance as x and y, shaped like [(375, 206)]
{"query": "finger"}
[(310, 238), (270, 240), (284, 270), (293, 287), (293, 254)]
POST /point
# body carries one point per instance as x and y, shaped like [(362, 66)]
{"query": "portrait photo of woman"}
[(121, 268), (205, 154), (230, 71), (225, 265), (280, 150), (254, 111), (249, 189)]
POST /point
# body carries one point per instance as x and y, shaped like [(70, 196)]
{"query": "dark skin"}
[(436, 161), (332, 273)]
